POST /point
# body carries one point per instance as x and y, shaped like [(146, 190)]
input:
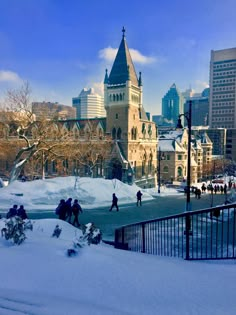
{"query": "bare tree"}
[(35, 137)]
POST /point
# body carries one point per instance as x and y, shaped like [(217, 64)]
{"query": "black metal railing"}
[(201, 234)]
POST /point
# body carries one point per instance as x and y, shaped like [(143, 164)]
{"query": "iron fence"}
[(202, 234)]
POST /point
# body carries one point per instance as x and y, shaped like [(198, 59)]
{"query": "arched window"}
[(100, 133), (150, 130), (180, 171), (143, 167), (132, 133), (150, 164), (114, 133), (119, 133), (110, 97), (143, 127), (120, 97), (114, 98), (165, 169), (117, 97)]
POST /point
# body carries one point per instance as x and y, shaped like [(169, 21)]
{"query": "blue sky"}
[(62, 46)]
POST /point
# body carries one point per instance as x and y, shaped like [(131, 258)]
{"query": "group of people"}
[(115, 201), (15, 211), (66, 209), (216, 188)]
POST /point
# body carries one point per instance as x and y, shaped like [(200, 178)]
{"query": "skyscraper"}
[(200, 108), (89, 104), (222, 111), (172, 105)]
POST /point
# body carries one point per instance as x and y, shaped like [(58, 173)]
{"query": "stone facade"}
[(127, 122), (174, 150)]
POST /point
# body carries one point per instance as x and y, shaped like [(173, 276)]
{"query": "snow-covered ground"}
[(45, 194), (38, 278)]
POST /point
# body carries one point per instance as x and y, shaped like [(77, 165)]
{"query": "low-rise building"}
[(174, 152)]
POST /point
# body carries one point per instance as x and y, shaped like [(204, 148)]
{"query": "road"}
[(158, 207)]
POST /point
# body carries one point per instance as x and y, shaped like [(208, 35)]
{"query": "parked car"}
[(217, 181)]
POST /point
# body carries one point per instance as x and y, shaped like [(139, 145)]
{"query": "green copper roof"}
[(123, 68)]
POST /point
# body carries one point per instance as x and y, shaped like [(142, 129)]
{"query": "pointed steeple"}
[(106, 80), (140, 79), (123, 67)]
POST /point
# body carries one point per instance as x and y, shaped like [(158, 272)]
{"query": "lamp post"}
[(188, 116), (160, 157)]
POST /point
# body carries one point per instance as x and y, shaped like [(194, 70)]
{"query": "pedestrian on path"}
[(139, 198), (68, 209), (76, 210), (114, 202), (61, 210)]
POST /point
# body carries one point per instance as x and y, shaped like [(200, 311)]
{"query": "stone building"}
[(174, 150), (133, 134)]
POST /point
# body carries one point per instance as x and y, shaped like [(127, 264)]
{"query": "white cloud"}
[(109, 54), (201, 84), (98, 88), (139, 58), (9, 76)]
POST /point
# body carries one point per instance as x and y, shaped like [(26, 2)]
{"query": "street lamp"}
[(160, 157), (188, 116)]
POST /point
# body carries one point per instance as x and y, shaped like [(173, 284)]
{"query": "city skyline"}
[(62, 47)]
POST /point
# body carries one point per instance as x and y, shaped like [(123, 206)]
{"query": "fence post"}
[(116, 237), (187, 230), (143, 239)]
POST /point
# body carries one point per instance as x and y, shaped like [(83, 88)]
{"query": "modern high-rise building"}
[(89, 105), (172, 105), (200, 107), (222, 111)]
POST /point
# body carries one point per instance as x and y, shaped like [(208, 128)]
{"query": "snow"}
[(45, 194), (38, 277)]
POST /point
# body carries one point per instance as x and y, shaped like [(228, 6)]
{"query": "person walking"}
[(139, 198), (68, 209), (61, 210), (76, 210), (114, 202)]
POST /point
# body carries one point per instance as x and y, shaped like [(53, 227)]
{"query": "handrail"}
[(200, 234)]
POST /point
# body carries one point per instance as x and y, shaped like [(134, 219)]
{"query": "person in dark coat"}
[(12, 212), (68, 209), (22, 213), (76, 210), (114, 202), (139, 198), (61, 210)]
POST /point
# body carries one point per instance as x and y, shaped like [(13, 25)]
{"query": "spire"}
[(106, 80), (119, 73), (140, 79), (123, 31)]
